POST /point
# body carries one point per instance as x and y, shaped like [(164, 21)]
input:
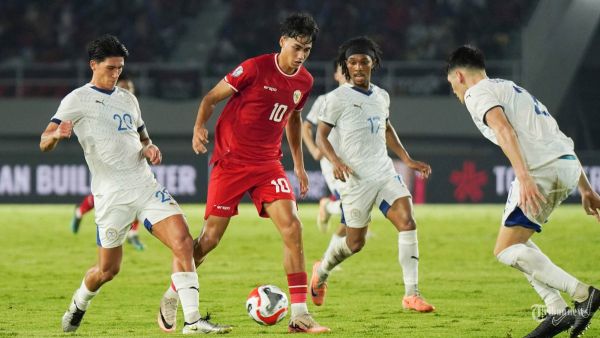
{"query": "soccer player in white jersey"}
[(359, 112), (109, 126), (546, 170)]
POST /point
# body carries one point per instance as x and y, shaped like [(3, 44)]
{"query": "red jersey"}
[(251, 125)]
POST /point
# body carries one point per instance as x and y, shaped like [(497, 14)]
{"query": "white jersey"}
[(539, 137), (360, 118), (107, 125)]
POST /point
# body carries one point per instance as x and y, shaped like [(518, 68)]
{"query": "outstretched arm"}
[(589, 198), (293, 133), (54, 133), (219, 93), (340, 170), (530, 196), (393, 142)]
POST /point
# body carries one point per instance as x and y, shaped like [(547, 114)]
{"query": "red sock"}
[(134, 225), (297, 284), (173, 286), (87, 204)]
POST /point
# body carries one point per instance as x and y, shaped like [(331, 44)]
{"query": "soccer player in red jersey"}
[(266, 95)]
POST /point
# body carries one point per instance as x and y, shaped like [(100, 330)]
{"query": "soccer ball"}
[(267, 305)]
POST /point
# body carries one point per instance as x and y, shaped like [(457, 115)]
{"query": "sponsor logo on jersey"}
[(238, 71), (273, 89), (222, 207), (297, 96)]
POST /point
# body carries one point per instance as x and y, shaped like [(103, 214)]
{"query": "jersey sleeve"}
[(479, 100), (332, 109), (386, 98), (302, 102), (139, 123), (315, 110), (242, 76), (68, 110)]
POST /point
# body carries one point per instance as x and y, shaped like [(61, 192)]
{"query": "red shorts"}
[(229, 181)]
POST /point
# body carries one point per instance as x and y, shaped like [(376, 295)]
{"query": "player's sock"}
[(187, 287), (298, 286), (540, 267), (171, 291), (333, 207), (335, 239), (83, 296), (338, 253), (86, 205), (134, 226), (408, 255), (555, 304)]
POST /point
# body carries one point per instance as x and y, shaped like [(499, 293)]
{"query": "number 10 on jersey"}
[(278, 112)]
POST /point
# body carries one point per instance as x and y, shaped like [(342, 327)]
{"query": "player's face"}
[(294, 51), (456, 79), (127, 84), (360, 67), (106, 73)]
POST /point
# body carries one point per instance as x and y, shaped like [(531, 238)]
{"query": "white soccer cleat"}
[(203, 326), (167, 314), (72, 318)]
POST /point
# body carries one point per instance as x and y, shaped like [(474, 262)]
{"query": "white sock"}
[(299, 309), (338, 253), (555, 304), (534, 263), (187, 288), (333, 207), (83, 296), (335, 238), (408, 255), (170, 293)]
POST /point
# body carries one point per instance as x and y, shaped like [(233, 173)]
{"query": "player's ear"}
[(93, 65), (282, 41)]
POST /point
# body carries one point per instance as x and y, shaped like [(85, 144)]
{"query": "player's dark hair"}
[(106, 46), (300, 25), (466, 56), (335, 65), (358, 45)]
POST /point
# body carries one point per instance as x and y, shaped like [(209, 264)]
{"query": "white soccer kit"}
[(107, 125), (360, 119), (548, 153)]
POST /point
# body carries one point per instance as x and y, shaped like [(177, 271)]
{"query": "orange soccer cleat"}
[(317, 292), (417, 303)]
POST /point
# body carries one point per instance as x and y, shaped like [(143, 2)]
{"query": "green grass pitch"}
[(475, 296)]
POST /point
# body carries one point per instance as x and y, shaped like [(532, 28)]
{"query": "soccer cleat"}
[(135, 241), (416, 303), (584, 312), (304, 323), (203, 326), (72, 318), (553, 325), (323, 216), (76, 221), (317, 291), (167, 314)]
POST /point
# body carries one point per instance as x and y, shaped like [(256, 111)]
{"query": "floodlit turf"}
[(475, 296)]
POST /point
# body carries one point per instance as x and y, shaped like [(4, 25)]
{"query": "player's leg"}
[(210, 236), (133, 237), (338, 236), (81, 209)]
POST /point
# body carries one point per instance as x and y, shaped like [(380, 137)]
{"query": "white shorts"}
[(115, 212), (327, 171), (358, 198), (555, 180)]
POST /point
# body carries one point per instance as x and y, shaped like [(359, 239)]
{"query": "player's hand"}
[(199, 140), (530, 196), (421, 167), (152, 153), (302, 180), (591, 203), (64, 130), (341, 171)]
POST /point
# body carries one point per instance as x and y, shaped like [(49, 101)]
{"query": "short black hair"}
[(466, 56), (300, 24), (335, 65), (106, 46), (358, 43)]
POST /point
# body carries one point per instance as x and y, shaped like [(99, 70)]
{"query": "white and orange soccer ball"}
[(267, 305)]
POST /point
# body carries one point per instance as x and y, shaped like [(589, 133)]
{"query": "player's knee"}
[(207, 241), (355, 245), (106, 275), (183, 246), (292, 230), (407, 223)]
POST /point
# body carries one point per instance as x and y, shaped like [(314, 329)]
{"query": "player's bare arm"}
[(530, 195), (589, 198), (219, 93), (293, 132), (393, 142), (150, 150), (340, 170), (54, 133), (307, 137)]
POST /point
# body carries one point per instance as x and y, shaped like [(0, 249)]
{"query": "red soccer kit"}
[(248, 135)]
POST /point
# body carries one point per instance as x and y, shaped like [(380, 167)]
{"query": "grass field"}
[(42, 264)]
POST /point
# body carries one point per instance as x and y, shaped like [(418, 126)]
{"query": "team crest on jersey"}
[(238, 71), (297, 96)]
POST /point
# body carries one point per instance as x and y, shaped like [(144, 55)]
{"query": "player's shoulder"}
[(77, 94), (379, 91)]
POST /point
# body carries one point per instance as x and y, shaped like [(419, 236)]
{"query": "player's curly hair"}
[(300, 24), (467, 56), (106, 46), (358, 45)]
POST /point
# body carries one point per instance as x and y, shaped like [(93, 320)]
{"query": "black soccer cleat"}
[(584, 312), (553, 325)]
